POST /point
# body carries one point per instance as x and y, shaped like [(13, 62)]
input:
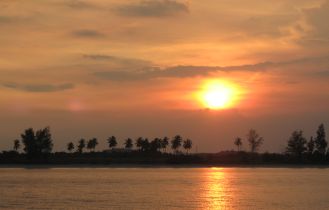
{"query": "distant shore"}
[(137, 159), (159, 166)]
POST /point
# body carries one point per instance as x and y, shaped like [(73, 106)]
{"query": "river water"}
[(164, 188)]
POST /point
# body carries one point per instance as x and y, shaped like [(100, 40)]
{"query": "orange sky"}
[(133, 68)]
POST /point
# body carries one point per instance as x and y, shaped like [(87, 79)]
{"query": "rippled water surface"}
[(164, 188)]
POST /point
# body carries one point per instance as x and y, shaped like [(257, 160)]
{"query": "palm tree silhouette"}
[(176, 142), (95, 143), (70, 146), (92, 143), (81, 145), (145, 145), (17, 145), (112, 141), (139, 143), (238, 143), (128, 143), (89, 145), (156, 144), (187, 144), (164, 143)]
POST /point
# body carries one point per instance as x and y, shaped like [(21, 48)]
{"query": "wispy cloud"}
[(319, 33), (39, 87), (321, 74), (153, 8), (173, 72), (13, 19), (184, 71), (78, 4), (125, 62), (88, 33)]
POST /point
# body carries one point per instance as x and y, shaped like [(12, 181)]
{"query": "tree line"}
[(297, 145), (39, 143)]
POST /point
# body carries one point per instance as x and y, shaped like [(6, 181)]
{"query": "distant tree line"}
[(254, 141), (297, 145), (36, 143), (39, 143)]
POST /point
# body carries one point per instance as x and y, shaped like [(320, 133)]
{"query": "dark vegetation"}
[(35, 147)]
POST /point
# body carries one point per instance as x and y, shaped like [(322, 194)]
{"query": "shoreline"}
[(159, 166)]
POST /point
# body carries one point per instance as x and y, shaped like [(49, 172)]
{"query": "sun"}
[(218, 94), (218, 97)]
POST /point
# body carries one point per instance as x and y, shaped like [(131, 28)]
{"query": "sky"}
[(97, 68)]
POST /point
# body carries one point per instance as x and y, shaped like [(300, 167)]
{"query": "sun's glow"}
[(218, 94)]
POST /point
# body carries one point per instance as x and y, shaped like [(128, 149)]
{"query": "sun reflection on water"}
[(217, 194)]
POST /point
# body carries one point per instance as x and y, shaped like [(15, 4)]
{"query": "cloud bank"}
[(153, 8), (88, 33), (39, 87)]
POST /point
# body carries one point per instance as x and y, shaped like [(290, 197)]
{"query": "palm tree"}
[(70, 146), (112, 141), (95, 143), (139, 143), (176, 142), (17, 145), (81, 145), (129, 143), (145, 145), (238, 143), (164, 143), (187, 144), (155, 144), (92, 143)]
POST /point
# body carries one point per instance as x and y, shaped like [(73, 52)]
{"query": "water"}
[(164, 188)]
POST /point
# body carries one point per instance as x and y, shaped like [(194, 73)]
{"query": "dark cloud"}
[(6, 19), (87, 33), (77, 4), (125, 62), (122, 75), (173, 72), (100, 57), (151, 72), (39, 87), (153, 8), (322, 74), (268, 25), (317, 17), (13, 19)]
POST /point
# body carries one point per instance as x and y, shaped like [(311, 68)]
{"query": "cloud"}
[(87, 33), (183, 71), (122, 75), (153, 8), (39, 87), (322, 74), (173, 72), (316, 18), (269, 25), (13, 19), (6, 19), (77, 4), (124, 62)]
